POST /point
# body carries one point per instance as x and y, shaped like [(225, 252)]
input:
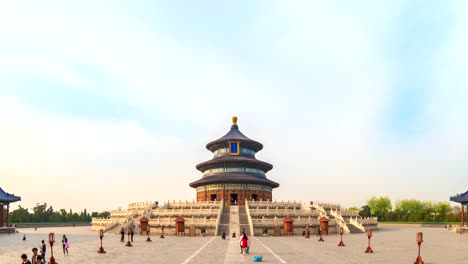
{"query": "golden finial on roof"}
[(234, 120)]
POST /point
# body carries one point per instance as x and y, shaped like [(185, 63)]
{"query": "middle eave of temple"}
[(234, 178), (246, 161)]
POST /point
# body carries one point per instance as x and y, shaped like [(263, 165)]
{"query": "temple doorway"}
[(233, 198), (213, 197)]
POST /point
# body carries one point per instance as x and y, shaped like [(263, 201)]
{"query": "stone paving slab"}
[(391, 245)]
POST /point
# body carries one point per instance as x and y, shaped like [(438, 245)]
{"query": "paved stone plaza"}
[(391, 245)]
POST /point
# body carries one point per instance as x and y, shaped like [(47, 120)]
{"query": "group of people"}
[(39, 255), (244, 241), (122, 234)]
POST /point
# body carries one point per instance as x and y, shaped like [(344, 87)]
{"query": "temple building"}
[(5, 200), (235, 195), (234, 175)]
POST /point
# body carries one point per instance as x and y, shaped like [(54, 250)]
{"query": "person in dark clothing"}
[(43, 250), (122, 235), (25, 259), (65, 244), (131, 234), (224, 236)]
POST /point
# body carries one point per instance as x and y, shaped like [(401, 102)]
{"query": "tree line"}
[(410, 210), (42, 213)]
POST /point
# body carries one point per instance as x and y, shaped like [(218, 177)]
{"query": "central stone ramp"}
[(234, 220), (224, 221), (243, 221)]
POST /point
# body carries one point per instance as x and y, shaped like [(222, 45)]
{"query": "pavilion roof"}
[(460, 198), (7, 198)]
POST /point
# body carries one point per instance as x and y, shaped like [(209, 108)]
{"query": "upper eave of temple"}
[(7, 198), (460, 198), (219, 162), (234, 135)]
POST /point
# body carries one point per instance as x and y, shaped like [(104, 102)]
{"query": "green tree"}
[(20, 215), (365, 211), (379, 207), (441, 209)]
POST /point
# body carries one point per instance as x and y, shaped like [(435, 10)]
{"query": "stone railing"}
[(282, 212), (327, 205), (319, 209), (218, 219), (170, 221), (270, 222), (369, 221), (349, 213), (120, 214), (249, 218), (185, 212), (100, 220), (271, 204), (141, 205), (340, 221), (193, 204), (357, 224)]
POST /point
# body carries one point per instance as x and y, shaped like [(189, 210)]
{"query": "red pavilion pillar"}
[(8, 215), (462, 216), (1, 217)]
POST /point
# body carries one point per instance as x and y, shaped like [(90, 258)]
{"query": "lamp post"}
[(369, 235), (307, 235), (162, 232), (101, 235), (320, 234), (128, 238), (51, 242), (341, 244), (419, 240)]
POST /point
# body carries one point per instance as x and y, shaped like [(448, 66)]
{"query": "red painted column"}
[(8, 215), (1, 217), (463, 216)]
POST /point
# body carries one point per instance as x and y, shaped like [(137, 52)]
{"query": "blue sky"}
[(349, 100)]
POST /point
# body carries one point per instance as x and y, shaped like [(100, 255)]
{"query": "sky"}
[(105, 103)]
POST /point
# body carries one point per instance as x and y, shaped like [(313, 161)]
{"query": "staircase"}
[(224, 221), (355, 226), (319, 209), (340, 221), (243, 221)]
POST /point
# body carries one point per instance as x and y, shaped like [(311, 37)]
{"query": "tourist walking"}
[(244, 243), (122, 235), (224, 235), (25, 259), (65, 244), (131, 234), (34, 256), (42, 250)]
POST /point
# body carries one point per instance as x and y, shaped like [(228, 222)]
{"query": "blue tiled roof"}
[(460, 198), (8, 198)]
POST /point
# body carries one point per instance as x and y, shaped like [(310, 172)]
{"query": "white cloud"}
[(317, 109)]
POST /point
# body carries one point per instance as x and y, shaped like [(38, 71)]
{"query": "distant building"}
[(5, 200)]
